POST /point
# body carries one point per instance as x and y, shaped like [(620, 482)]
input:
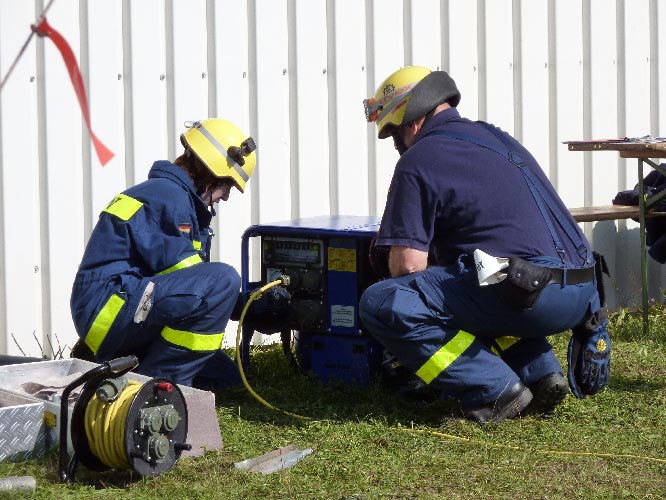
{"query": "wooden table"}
[(644, 149)]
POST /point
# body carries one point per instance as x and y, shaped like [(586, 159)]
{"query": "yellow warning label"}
[(342, 259), (49, 419)]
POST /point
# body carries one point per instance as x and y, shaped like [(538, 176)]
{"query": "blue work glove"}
[(589, 356)]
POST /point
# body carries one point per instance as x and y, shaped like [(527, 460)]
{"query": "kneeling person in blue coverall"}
[(483, 261), (146, 285)]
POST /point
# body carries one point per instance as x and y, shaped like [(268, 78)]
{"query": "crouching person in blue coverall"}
[(146, 285), (483, 261)]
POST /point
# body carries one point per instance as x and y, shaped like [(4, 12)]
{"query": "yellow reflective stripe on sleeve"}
[(505, 342), (446, 355), (197, 245), (103, 322), (123, 207), (187, 262), (193, 341)]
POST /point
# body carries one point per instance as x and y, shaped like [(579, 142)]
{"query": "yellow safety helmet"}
[(408, 94), (222, 148)]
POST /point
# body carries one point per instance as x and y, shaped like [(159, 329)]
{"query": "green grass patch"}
[(369, 445)]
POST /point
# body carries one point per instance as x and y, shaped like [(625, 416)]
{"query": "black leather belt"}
[(574, 276)]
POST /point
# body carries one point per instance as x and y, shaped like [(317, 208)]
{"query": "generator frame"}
[(326, 259)]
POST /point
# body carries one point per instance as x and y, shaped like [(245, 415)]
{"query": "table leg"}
[(644, 276)]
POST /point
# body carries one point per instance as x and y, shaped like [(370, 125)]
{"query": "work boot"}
[(511, 403), (404, 383), (548, 392)]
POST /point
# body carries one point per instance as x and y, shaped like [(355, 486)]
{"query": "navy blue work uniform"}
[(451, 193), (145, 285)]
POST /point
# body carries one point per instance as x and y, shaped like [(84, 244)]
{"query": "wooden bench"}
[(610, 212), (617, 212), (645, 151)]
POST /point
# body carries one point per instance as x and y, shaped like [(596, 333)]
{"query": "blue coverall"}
[(145, 285), (449, 197)]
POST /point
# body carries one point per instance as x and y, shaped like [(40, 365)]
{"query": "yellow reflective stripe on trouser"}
[(187, 262), (123, 207), (193, 341), (102, 324), (503, 343), (446, 355)]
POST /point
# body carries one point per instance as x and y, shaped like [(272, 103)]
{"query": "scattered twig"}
[(41, 349), (60, 354), (17, 344)]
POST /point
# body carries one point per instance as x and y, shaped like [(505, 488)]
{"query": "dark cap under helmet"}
[(436, 88), (408, 94)]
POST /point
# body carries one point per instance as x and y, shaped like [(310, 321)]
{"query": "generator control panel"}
[(326, 260), (302, 260)]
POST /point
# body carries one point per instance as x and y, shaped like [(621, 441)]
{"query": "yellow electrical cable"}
[(543, 452), (105, 427), (253, 296)]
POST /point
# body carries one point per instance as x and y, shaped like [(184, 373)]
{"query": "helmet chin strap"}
[(207, 196), (428, 116)]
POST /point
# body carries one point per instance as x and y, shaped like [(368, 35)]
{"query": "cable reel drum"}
[(122, 424)]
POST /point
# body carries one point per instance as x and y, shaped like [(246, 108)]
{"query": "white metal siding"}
[(293, 74)]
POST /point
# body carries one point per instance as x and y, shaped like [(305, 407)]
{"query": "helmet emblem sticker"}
[(389, 88)]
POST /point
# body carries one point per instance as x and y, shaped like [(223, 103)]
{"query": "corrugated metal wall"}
[(293, 73)]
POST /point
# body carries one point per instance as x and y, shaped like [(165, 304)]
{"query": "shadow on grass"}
[(315, 401), (637, 384), (284, 387), (88, 478)]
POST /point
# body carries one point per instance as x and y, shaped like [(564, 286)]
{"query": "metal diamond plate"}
[(22, 433)]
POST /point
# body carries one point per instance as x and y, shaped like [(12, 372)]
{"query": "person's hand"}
[(589, 356)]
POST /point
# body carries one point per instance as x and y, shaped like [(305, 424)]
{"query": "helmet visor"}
[(389, 109)]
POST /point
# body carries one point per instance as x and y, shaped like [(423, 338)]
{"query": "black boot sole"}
[(509, 405)]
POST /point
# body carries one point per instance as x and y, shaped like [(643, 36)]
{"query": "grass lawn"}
[(369, 445)]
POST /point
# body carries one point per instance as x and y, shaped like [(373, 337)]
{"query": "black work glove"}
[(589, 356), (82, 351), (379, 260), (268, 313)]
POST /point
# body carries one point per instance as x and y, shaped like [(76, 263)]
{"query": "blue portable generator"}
[(326, 260)]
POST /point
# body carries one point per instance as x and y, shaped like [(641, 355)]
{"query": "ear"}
[(417, 124), (414, 127)]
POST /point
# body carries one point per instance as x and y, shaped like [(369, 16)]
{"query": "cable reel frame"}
[(155, 427)]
